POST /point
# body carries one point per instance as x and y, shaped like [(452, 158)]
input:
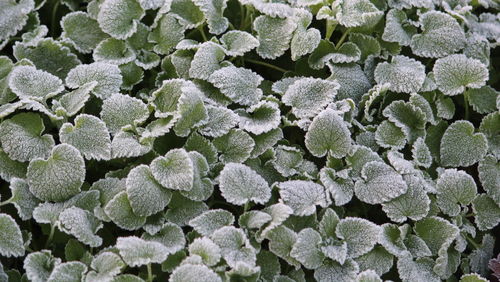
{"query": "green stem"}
[(53, 19), (6, 202), (266, 65), (342, 39), (473, 243), (242, 16), (150, 273), (51, 235), (203, 35), (330, 28), (246, 207), (466, 106)]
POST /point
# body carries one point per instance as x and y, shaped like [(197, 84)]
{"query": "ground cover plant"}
[(249, 140)]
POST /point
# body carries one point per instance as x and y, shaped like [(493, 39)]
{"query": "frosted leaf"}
[(413, 204), (341, 189), (206, 61), (402, 73), (421, 153), (145, 194), (114, 107), (460, 146), (490, 126), (303, 196), (360, 235), (352, 80), (128, 145), (260, 118), (81, 224), (273, 9), (137, 252), (11, 239), (235, 146), (119, 18), (398, 28), (165, 99), (274, 35), (211, 220), (27, 82), (22, 199), (487, 212), (58, 177), (89, 135), (391, 238), (237, 42), (306, 249), (14, 15), (483, 100), (191, 111), (333, 271), (39, 265), (254, 219), (120, 212), (399, 163), (202, 185), (72, 102), (194, 273), (235, 246), (239, 84), (200, 144), (455, 73), (174, 170), (420, 270), (436, 232), (281, 241), (328, 134), (279, 213), (455, 189), (170, 236), (420, 102), (368, 276), (308, 96), (473, 277), (220, 121), (389, 135), (409, 118), (304, 40), (328, 223), (287, 160), (107, 76), (358, 157), (239, 185), (378, 260), (334, 249), (82, 31), (206, 249), (113, 51), (213, 11), (265, 141), (445, 107), (357, 13), (380, 183), (22, 139), (441, 35), (416, 246), (187, 13), (489, 175), (106, 266), (166, 34)]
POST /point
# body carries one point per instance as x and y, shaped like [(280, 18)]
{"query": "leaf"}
[(107, 76), (136, 251), (239, 185), (281, 241), (239, 84), (128, 145), (473, 277), (22, 139), (380, 183), (388, 135), (113, 51), (206, 249), (489, 175), (306, 249), (39, 265), (82, 31), (89, 135), (213, 11), (490, 127), (328, 134), (206, 61), (81, 224), (166, 33), (234, 245), (236, 146), (119, 210), (403, 74), (187, 13), (460, 146), (455, 189), (352, 80), (482, 100), (398, 28), (441, 35), (360, 235), (194, 273), (303, 196), (59, 177), (106, 266), (191, 110), (455, 73), (170, 235), (220, 121), (368, 276), (22, 199), (14, 15), (333, 271), (482, 254), (145, 194), (436, 232), (378, 260), (287, 160), (487, 212), (11, 239), (357, 13), (113, 108), (421, 153), (409, 118), (30, 83), (420, 269), (340, 188), (237, 42), (72, 102), (274, 35), (304, 40), (260, 118), (210, 221), (174, 170), (308, 96), (119, 18)]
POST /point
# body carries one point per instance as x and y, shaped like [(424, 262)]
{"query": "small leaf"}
[(14, 17), (303, 196), (213, 11), (128, 145), (113, 51), (137, 252), (490, 126), (170, 236), (487, 212), (239, 84), (106, 265), (119, 18), (352, 80), (39, 265), (398, 28), (11, 239), (206, 249), (22, 199), (308, 96), (455, 189), (341, 188), (174, 170), (360, 235), (59, 177), (306, 249), (236, 146), (188, 14), (28, 82), (378, 260), (260, 118), (489, 175), (421, 269), (220, 121), (72, 102), (81, 224), (402, 73), (107, 76), (120, 212), (328, 134), (436, 232), (483, 100), (421, 153), (388, 135), (211, 220), (234, 245), (274, 35), (239, 185), (194, 273), (82, 31), (191, 111), (166, 33), (333, 271), (237, 42), (460, 146), (357, 13), (114, 107), (409, 118)]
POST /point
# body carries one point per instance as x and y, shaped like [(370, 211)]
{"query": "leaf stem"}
[(203, 35), (150, 273), (6, 202), (53, 19), (473, 243), (342, 39), (246, 207), (466, 106), (330, 28), (51, 235), (266, 65)]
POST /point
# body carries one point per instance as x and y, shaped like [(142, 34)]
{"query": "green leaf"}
[(239, 185), (22, 139), (14, 15), (287, 160), (455, 73), (165, 99), (487, 212), (136, 251), (174, 170), (194, 273), (206, 249), (128, 145), (368, 276), (388, 135), (166, 33), (378, 260), (59, 177), (170, 236), (398, 28), (213, 11), (441, 35), (114, 107), (403, 74), (220, 121), (11, 239), (455, 189), (352, 80), (306, 249), (187, 13), (30, 83), (360, 235), (436, 232), (239, 84), (409, 118), (237, 42), (474, 277), (420, 269), (236, 146), (119, 210), (421, 153), (341, 188), (206, 60), (235, 246), (22, 199), (333, 271), (490, 126), (274, 35), (210, 221), (113, 51), (107, 76), (81, 224), (260, 118), (89, 135), (106, 266), (489, 175), (328, 134), (483, 100), (191, 111), (39, 265), (303, 204), (72, 102), (82, 31), (119, 18), (308, 96), (304, 40), (356, 13), (460, 146)]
